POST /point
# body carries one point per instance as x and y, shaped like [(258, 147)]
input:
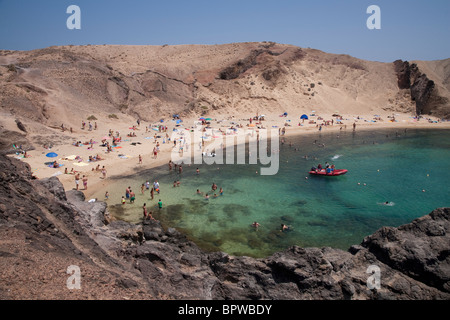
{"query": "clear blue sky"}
[(410, 29)]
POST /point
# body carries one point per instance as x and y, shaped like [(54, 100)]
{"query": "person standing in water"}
[(144, 210)]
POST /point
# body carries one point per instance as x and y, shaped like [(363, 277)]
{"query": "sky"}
[(409, 29)]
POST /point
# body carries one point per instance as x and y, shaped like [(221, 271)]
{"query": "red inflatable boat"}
[(335, 172)]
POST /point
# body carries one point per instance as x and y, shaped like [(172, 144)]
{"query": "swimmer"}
[(256, 225), (284, 227), (221, 191), (206, 196)]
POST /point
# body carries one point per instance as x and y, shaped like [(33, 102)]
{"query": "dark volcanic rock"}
[(420, 249), (403, 74), (423, 90)]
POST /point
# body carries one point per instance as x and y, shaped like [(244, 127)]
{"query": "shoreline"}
[(117, 167), (294, 133), (164, 162)]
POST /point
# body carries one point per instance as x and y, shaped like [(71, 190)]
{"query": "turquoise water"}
[(409, 169)]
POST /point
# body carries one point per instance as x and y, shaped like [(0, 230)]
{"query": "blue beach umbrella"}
[(51, 155), (304, 116)]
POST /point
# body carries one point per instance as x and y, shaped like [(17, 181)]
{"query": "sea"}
[(394, 176)]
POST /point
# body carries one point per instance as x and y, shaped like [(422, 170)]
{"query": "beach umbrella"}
[(285, 114), (178, 121), (208, 119), (176, 116), (51, 155), (304, 116)]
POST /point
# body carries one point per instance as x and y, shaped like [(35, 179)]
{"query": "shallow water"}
[(409, 169)]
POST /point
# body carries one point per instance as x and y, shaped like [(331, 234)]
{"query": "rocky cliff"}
[(424, 92), (44, 230)]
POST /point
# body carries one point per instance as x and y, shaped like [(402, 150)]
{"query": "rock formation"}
[(44, 229), (424, 91)]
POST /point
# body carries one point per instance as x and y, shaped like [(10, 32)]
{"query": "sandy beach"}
[(125, 159)]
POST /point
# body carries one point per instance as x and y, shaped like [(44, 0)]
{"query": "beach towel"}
[(81, 164), (51, 165), (58, 173)]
